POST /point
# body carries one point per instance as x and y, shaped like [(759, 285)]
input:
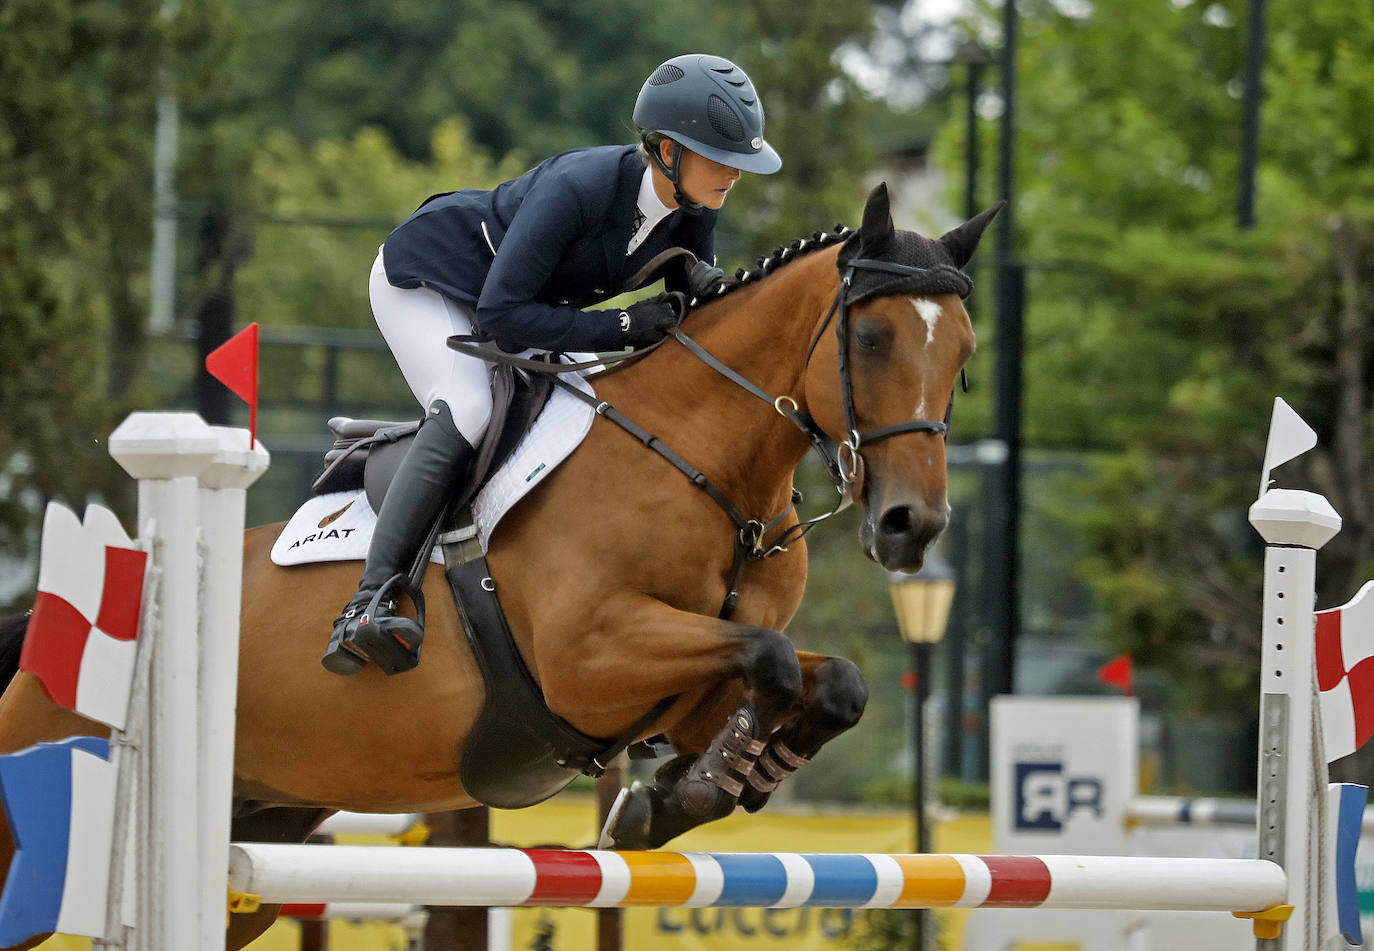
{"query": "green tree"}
[(536, 76), (77, 101), (1158, 334)]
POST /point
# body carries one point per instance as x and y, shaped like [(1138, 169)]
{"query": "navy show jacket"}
[(532, 251)]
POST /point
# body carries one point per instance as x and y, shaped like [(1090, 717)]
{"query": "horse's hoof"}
[(751, 801), (627, 826)]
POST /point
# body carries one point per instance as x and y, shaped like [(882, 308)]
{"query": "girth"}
[(519, 752)]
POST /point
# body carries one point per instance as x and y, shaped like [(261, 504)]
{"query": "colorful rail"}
[(598, 879)]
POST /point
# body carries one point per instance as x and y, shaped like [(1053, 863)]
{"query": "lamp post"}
[(922, 602)]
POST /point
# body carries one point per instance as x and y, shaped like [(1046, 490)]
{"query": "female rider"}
[(518, 262)]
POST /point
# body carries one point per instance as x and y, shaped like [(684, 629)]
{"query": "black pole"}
[(1005, 477), (1250, 117), (976, 58), (215, 313), (920, 661), (952, 754)]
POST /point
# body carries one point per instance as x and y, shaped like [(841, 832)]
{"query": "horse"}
[(612, 572)]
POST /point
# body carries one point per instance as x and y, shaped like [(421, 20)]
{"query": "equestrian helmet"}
[(709, 105)]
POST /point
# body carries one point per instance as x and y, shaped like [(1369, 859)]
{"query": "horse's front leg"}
[(833, 701), (682, 653)]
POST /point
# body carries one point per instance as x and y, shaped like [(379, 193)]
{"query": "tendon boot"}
[(370, 627), (686, 791)]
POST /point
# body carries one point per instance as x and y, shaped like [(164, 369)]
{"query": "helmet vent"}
[(735, 82), (724, 120), (665, 74)]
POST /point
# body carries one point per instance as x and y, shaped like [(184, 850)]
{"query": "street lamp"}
[(922, 602)]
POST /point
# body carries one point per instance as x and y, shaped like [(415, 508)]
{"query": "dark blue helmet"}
[(709, 105)]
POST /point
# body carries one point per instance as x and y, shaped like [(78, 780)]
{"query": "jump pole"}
[(494, 877)]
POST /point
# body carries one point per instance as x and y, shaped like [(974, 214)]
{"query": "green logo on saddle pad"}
[(537, 469)]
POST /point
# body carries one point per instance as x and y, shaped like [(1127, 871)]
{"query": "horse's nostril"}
[(896, 520)]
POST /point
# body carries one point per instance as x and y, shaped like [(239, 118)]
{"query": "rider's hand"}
[(703, 278), (647, 322)]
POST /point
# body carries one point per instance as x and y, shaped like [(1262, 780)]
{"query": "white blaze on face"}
[(930, 313)]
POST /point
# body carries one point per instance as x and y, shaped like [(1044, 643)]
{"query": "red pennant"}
[(1117, 673), (235, 364)]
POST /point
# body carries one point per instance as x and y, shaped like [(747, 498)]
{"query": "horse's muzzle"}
[(898, 537)]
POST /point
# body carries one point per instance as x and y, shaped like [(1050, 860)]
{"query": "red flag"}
[(1117, 673), (235, 364)]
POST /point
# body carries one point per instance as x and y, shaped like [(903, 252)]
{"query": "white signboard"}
[(1063, 774)]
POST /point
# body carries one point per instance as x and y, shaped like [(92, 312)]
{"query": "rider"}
[(518, 262)]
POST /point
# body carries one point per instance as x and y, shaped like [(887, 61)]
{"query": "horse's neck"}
[(762, 332)]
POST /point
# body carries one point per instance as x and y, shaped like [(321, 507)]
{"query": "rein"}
[(847, 474)]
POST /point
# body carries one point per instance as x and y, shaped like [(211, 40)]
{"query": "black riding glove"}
[(703, 278), (647, 322)]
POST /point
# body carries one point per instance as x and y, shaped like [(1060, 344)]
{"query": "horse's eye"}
[(871, 335)]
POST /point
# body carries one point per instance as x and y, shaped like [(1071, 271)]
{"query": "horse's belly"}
[(365, 742)]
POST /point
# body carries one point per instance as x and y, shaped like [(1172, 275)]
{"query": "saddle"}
[(520, 752), (368, 452)]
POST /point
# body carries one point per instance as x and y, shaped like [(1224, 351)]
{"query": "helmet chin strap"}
[(674, 173)]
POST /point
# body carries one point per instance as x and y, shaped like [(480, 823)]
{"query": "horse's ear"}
[(963, 240), (877, 229)]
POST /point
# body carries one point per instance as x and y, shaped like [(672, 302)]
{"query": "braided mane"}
[(780, 255)]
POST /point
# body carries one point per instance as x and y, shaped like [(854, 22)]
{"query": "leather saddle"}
[(368, 452)]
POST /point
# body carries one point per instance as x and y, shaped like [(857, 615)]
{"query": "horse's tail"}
[(11, 641)]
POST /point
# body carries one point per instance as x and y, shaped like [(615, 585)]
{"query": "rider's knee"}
[(468, 409)]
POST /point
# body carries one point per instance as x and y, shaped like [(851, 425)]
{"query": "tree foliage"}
[(76, 110), (1159, 333)]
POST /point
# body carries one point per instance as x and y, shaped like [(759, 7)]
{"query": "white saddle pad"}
[(338, 526)]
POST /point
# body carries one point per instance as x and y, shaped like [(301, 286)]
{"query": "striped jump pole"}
[(496, 877)]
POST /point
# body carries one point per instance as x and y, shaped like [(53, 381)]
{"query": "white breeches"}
[(416, 322)]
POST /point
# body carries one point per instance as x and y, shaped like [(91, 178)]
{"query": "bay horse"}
[(613, 571)]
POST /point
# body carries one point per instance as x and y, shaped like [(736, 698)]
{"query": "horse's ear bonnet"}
[(939, 261)]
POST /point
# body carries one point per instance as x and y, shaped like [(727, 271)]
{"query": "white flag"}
[(1289, 437)]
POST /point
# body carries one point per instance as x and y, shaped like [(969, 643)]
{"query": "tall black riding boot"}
[(369, 627)]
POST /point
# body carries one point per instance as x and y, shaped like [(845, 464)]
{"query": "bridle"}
[(842, 460), (851, 474)]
